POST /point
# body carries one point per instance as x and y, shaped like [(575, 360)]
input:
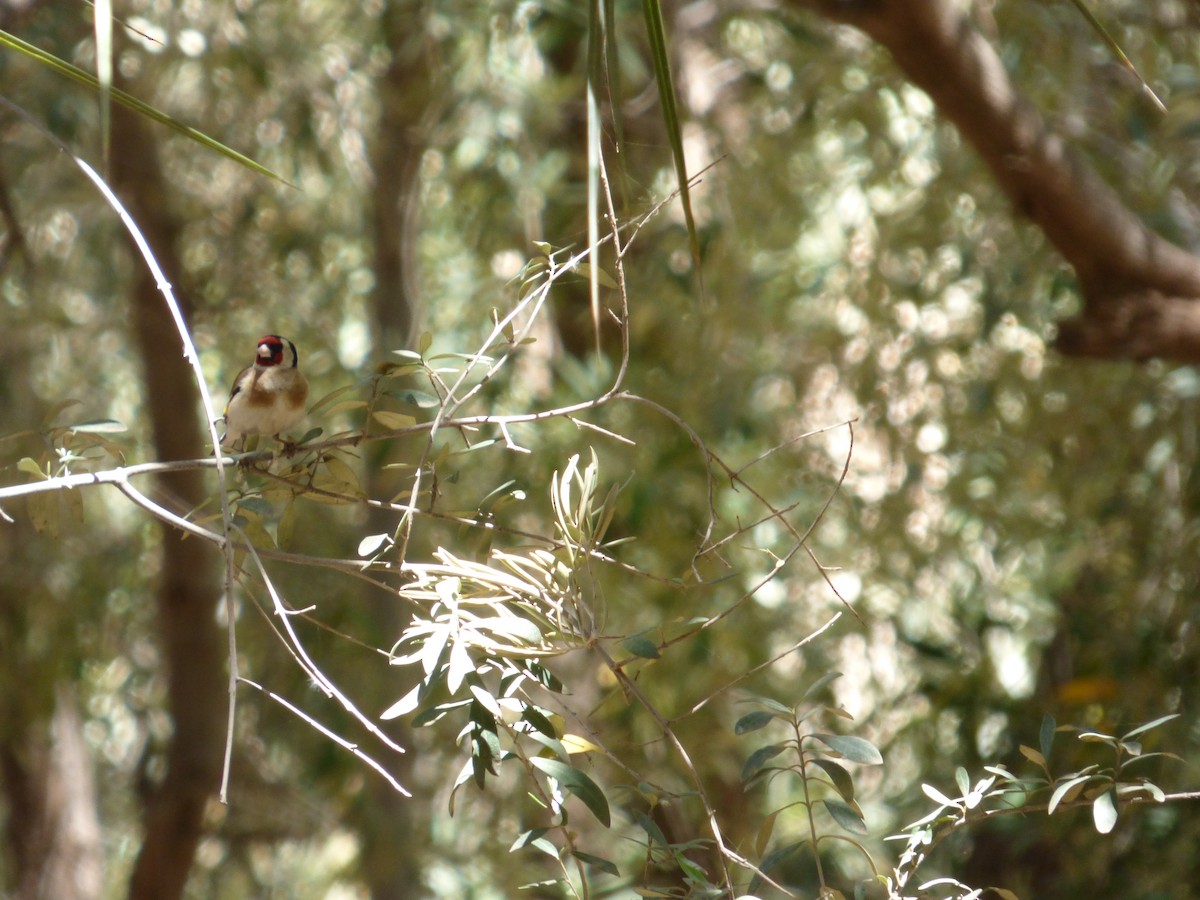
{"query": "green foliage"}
[(1103, 788), (573, 559), (815, 760)]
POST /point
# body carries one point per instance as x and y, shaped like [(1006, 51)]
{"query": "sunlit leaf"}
[(1153, 724), (371, 543), (99, 426), (937, 796), (1104, 812), (1067, 791), (458, 666), (525, 838), (576, 744), (404, 705)]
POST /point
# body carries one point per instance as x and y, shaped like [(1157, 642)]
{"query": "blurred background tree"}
[(1016, 531)]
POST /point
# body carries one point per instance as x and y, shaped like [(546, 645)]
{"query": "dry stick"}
[(770, 662), (120, 478), (535, 303), (726, 852), (355, 568), (352, 747), (310, 668), (779, 514), (193, 358), (546, 801)]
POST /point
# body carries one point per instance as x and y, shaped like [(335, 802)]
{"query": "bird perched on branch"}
[(268, 397)]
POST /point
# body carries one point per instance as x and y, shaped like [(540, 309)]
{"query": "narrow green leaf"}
[(538, 720), (1034, 756), (598, 862), (481, 717), (774, 706), (510, 628), (937, 796), (641, 646), (553, 744), (86, 78), (99, 426), (772, 860), (759, 757), (753, 721), (1154, 724), (1157, 794), (546, 846), (404, 705), (820, 683), (846, 816), (853, 748), (648, 825), (656, 32), (691, 869), (1046, 736), (371, 543), (29, 466), (333, 395), (482, 697), (575, 782), (392, 421), (1067, 791), (963, 780), (765, 831), (525, 838), (842, 782), (419, 399)]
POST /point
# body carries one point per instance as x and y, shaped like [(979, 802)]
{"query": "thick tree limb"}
[(1141, 292)]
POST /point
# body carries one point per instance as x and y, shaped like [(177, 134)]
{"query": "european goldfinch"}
[(267, 397)]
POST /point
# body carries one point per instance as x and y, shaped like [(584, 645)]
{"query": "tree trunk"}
[(188, 588)]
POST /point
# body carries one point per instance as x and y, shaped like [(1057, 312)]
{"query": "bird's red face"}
[(270, 350)]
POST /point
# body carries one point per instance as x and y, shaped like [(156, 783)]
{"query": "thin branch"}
[(333, 736)]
